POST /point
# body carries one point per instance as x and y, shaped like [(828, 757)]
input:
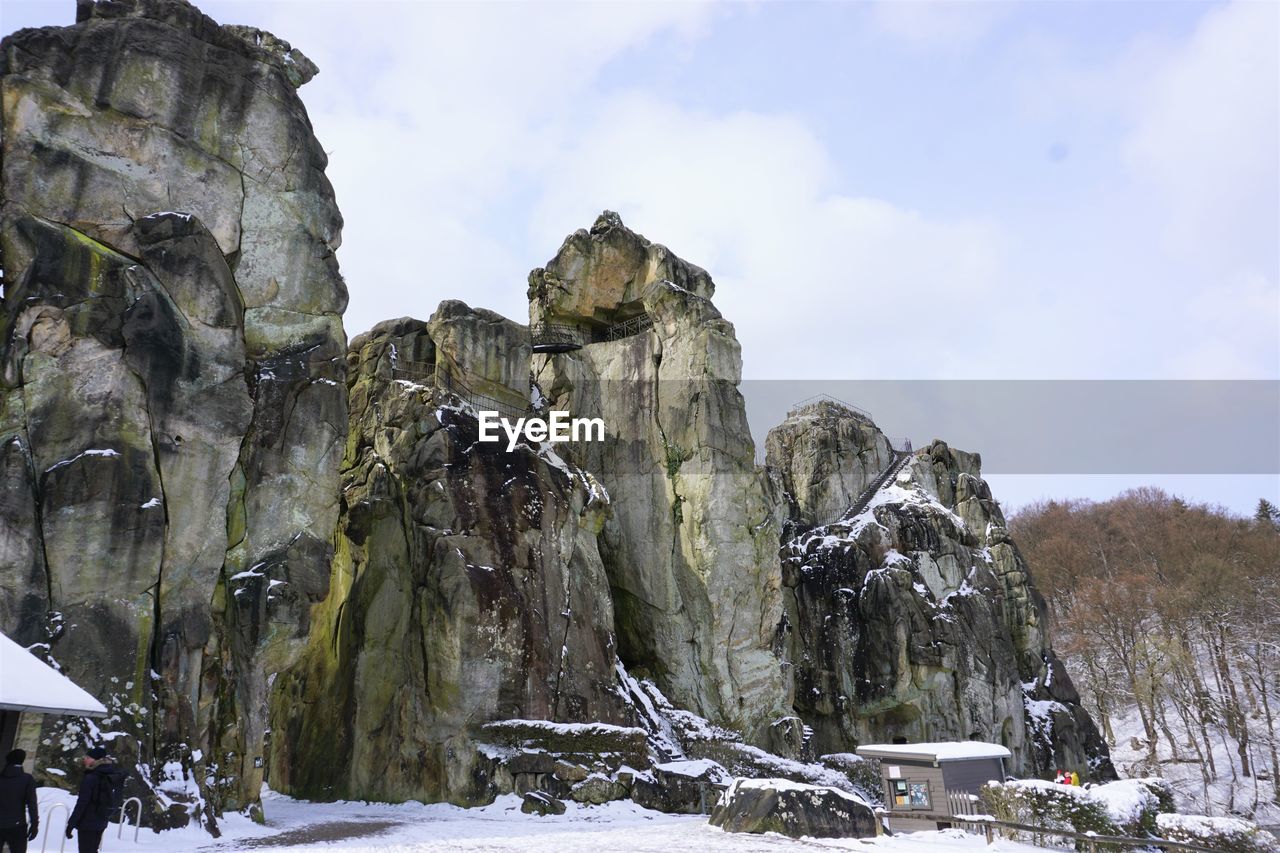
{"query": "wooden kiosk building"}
[(933, 778)]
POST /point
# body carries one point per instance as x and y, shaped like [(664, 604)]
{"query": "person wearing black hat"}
[(19, 814), (97, 801)]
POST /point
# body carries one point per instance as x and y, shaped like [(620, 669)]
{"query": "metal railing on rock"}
[(896, 464), (827, 398), (557, 337), (480, 394), (627, 328), (564, 337)]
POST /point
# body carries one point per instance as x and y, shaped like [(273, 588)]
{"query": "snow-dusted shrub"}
[(1128, 807), (1220, 833), (1047, 804), (864, 773), (1133, 804)]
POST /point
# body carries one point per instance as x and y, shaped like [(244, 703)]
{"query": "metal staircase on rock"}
[(900, 460)]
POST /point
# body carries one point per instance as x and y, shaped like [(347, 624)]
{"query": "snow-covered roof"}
[(29, 684), (950, 751)]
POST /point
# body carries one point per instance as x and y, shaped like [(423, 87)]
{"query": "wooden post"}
[(986, 830)]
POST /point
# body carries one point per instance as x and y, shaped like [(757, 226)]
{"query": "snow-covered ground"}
[(293, 825)]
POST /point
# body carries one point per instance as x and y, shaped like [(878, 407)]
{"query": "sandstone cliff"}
[(173, 412), (271, 552), (913, 615), (691, 550), (467, 583)]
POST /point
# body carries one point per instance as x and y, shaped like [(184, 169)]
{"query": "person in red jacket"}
[(100, 793), (19, 813)]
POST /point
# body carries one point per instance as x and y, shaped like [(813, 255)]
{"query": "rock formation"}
[(824, 455), (692, 550), (173, 412), (467, 583), (799, 811), (914, 616), (269, 552)]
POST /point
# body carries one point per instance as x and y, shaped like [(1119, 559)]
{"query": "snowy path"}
[(294, 826)]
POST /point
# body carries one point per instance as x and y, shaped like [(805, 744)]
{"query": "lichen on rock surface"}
[(691, 547), (271, 552), (467, 585), (915, 617), (173, 408)]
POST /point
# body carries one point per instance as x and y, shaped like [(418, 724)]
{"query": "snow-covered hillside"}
[(1227, 792)]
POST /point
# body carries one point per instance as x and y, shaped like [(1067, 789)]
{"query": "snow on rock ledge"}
[(1220, 833), (792, 809)]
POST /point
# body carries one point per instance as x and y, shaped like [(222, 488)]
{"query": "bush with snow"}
[(864, 773), (1220, 833), (1128, 807)]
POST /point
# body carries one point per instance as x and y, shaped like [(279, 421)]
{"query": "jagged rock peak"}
[(467, 582), (600, 276), (915, 615), (251, 42), (632, 337), (825, 454)]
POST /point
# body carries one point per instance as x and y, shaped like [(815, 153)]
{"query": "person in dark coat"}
[(96, 801), (19, 813)]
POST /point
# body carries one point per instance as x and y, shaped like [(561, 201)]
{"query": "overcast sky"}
[(880, 191)]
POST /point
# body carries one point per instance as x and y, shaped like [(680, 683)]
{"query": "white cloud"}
[(1206, 145), (468, 139), (1238, 320), (817, 284), (940, 23), (1207, 136), (439, 117), (1179, 258)]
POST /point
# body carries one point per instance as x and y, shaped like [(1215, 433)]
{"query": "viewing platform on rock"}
[(557, 337), (826, 404), (826, 401), (565, 337)]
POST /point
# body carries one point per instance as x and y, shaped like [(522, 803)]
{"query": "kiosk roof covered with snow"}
[(29, 685), (934, 752)]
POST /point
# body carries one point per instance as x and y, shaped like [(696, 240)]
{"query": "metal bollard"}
[(48, 820), (137, 823)]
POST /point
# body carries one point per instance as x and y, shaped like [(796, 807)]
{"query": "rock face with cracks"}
[(267, 551), (467, 587), (917, 618), (825, 455), (776, 805), (691, 550), (173, 408)]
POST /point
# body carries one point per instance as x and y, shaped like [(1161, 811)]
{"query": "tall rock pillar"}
[(172, 407), (691, 549)]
